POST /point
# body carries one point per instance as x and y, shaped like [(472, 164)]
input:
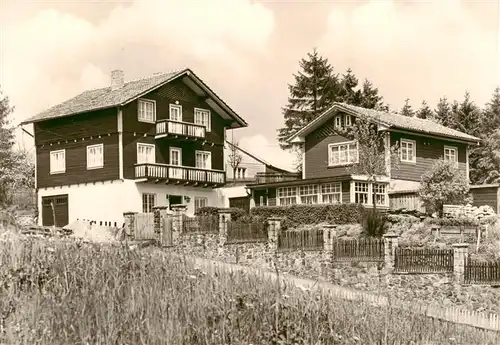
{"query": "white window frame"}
[(148, 203), (100, 163), (175, 106), (143, 118), (241, 173), (175, 149), (338, 119), (348, 120), (350, 161), (201, 112), (197, 200), (153, 153), (57, 169), (414, 150), (332, 192), (287, 198), (376, 193), (452, 149), (371, 190), (197, 152), (309, 194)]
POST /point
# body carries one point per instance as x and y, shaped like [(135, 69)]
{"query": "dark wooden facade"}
[(486, 195)]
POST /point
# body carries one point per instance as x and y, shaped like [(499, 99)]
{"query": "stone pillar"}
[(328, 242), (273, 231), (390, 245), (129, 224), (224, 219), (177, 221), (159, 214), (460, 254)]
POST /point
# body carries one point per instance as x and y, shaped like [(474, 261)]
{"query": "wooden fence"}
[(482, 272), (358, 250), (301, 240), (246, 232), (423, 260), (206, 224), (144, 226)]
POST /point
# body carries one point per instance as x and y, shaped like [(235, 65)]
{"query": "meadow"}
[(68, 292)]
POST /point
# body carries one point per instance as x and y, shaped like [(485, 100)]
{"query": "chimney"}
[(117, 79)]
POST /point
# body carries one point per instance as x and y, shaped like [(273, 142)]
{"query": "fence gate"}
[(166, 233), (144, 226)]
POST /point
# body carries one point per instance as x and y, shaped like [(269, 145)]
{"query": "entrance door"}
[(174, 200), (55, 207)]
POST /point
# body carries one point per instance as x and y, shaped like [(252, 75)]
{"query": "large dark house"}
[(130, 146)]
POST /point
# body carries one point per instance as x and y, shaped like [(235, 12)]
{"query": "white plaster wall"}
[(401, 185), (106, 201)]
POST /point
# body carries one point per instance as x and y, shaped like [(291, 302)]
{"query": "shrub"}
[(301, 214), (374, 223), (236, 213)]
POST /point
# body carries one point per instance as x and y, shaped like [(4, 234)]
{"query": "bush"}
[(374, 223), (296, 215)]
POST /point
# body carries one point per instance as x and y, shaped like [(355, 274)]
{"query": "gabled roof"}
[(389, 120), (106, 97), (260, 160)]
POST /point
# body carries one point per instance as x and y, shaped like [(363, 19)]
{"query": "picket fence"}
[(423, 260), (201, 223), (358, 250), (301, 240), (246, 232), (479, 272)]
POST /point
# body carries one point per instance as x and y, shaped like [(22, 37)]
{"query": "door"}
[(175, 161), (174, 200), (166, 235), (55, 207), (241, 203)]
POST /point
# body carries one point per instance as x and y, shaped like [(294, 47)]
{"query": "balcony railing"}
[(179, 173), (261, 177), (169, 127)]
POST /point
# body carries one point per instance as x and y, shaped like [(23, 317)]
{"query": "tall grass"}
[(57, 292)]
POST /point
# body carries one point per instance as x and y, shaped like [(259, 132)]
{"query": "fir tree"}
[(466, 116), (425, 112), (348, 92), (370, 97), (490, 119), (407, 110), (8, 160), (443, 113), (314, 91), (487, 167)]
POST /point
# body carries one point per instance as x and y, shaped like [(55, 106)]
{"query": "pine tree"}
[(443, 113), (314, 91), (407, 110), (487, 167), (490, 119), (425, 112), (370, 97), (348, 89), (466, 116)]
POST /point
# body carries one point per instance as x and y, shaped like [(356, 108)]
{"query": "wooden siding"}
[(76, 127), (76, 162), (485, 196), (176, 91), (429, 150), (162, 152)]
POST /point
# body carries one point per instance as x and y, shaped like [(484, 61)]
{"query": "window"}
[(331, 193), (338, 121), (408, 153), (348, 120), (202, 117), (379, 190), (145, 153), (148, 202), (287, 196), (241, 173), (146, 110), (308, 194), (175, 156), (57, 161), (175, 112), (95, 156), (450, 154), (204, 160), (361, 193), (343, 153), (200, 202)]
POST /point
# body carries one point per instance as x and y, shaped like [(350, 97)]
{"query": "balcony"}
[(179, 174), (265, 177), (181, 130)]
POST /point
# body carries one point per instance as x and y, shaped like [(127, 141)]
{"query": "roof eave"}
[(27, 122), (476, 141)]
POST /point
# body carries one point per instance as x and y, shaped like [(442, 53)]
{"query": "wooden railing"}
[(165, 172), (264, 177), (180, 128)]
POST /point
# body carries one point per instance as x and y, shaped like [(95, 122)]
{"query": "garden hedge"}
[(301, 214), (236, 213)]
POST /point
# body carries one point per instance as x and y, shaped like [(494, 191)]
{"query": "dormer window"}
[(146, 110)]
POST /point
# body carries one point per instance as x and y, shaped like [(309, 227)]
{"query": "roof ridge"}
[(156, 74)]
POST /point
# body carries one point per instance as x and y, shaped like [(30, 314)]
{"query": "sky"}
[(247, 51)]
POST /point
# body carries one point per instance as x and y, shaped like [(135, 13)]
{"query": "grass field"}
[(57, 292)]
